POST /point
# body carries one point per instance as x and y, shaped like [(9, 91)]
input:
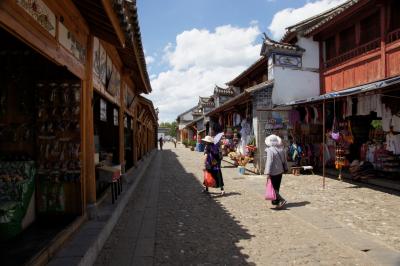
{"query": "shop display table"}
[(112, 176), (296, 169)]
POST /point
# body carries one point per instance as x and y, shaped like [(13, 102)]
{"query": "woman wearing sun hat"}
[(275, 166), (212, 163)]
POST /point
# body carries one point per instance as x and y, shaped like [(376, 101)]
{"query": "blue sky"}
[(193, 45)]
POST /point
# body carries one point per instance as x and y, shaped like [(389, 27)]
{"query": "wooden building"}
[(359, 42), (70, 85)]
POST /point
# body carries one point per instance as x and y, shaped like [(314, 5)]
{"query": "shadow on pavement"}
[(227, 194), (296, 204), (362, 184), (290, 205), (193, 228)]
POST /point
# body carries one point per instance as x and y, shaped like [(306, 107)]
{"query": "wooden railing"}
[(372, 45), (393, 36)]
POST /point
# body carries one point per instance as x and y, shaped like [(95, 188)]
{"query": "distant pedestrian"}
[(275, 166), (212, 163), (161, 141), (174, 140)]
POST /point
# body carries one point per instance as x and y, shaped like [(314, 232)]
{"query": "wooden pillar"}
[(323, 143), (383, 28), (88, 177), (135, 136), (121, 126), (321, 68)]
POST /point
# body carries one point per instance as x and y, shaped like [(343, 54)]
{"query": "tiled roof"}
[(311, 24), (197, 111), (270, 44), (128, 17), (206, 102), (224, 92)]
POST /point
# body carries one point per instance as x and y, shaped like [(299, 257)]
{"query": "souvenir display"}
[(58, 136), (17, 184)]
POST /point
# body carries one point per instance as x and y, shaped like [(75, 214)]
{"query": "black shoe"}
[(281, 204)]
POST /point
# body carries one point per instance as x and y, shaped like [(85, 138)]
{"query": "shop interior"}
[(106, 137), (128, 135), (40, 138), (362, 139)]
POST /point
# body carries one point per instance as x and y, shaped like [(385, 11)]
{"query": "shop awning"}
[(352, 91)]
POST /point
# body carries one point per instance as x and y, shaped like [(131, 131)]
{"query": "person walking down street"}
[(174, 140), (161, 141), (275, 166), (212, 163)]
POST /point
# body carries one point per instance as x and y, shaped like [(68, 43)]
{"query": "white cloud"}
[(149, 59), (198, 61), (291, 16)]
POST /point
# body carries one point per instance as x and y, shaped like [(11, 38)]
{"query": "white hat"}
[(273, 140), (208, 139)]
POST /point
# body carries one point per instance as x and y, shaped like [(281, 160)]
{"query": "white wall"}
[(311, 55), (292, 84), (187, 116)]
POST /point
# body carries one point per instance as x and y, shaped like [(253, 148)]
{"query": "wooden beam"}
[(114, 21)]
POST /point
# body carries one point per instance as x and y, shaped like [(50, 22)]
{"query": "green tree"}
[(171, 126)]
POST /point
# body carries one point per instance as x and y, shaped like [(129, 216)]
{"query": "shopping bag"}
[(209, 180), (270, 191)]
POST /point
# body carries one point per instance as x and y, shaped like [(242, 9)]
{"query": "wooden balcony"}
[(361, 50), (367, 63), (393, 36)]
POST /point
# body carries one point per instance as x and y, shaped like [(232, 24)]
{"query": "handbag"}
[(270, 191), (209, 180)]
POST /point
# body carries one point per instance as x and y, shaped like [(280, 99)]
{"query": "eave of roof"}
[(194, 121), (311, 24), (228, 104), (187, 111), (224, 92), (247, 71), (149, 105), (270, 45), (244, 96), (102, 24)]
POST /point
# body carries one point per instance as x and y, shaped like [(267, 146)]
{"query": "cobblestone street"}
[(169, 221)]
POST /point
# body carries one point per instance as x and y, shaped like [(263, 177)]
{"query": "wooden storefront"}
[(82, 55)]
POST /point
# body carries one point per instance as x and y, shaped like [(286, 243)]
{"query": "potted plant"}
[(185, 143), (192, 144)]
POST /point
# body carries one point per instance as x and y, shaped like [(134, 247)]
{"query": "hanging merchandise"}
[(348, 134), (58, 140), (335, 135)]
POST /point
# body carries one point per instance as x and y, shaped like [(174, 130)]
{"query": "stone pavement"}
[(168, 221)]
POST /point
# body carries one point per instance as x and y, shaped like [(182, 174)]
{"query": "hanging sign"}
[(41, 13), (70, 42)]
